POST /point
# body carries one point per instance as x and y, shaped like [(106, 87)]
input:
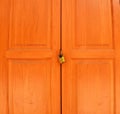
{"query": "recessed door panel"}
[(92, 84), (31, 23), (93, 24), (30, 86)]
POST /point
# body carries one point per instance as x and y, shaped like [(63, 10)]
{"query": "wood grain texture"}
[(91, 46), (30, 87), (29, 46), (4, 22), (92, 84), (116, 21), (92, 23), (31, 23)]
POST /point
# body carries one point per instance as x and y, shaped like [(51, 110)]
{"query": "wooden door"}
[(29, 46), (91, 43)]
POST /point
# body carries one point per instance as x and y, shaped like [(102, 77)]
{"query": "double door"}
[(32, 32)]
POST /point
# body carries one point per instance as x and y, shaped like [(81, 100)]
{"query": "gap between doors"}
[(60, 50)]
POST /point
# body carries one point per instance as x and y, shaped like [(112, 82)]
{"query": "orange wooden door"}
[(29, 45), (91, 43)]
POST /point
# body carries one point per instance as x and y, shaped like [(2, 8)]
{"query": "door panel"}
[(29, 54), (92, 82), (31, 23), (92, 20), (91, 46), (30, 89)]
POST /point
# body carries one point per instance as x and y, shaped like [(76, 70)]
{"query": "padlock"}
[(61, 57)]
